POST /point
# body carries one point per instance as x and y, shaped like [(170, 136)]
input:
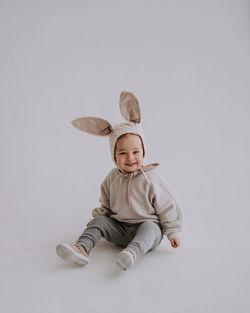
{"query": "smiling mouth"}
[(130, 164)]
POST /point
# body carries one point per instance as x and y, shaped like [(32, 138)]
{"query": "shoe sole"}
[(68, 254)]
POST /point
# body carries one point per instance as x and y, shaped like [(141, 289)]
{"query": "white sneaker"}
[(125, 259), (72, 254)]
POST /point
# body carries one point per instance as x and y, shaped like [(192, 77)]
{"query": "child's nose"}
[(130, 156)]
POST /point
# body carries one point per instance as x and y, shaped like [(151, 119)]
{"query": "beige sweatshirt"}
[(138, 197)]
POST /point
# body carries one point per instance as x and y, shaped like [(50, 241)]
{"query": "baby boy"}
[(137, 208)]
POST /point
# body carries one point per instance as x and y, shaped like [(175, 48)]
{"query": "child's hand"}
[(175, 242)]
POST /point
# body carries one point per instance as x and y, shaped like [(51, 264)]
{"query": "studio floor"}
[(188, 64), (207, 275)]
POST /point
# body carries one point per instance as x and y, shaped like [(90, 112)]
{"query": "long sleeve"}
[(166, 208), (104, 199)]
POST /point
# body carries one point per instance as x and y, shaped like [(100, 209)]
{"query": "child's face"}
[(129, 153)]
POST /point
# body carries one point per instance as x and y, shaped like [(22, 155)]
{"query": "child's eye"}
[(136, 152), (122, 153)]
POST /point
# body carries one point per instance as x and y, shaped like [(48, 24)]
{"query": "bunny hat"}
[(130, 110)]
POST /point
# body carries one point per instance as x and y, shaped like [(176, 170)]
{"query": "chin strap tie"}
[(130, 176)]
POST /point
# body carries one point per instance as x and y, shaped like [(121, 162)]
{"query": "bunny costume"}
[(136, 207)]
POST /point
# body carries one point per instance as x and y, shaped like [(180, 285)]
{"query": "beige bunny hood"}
[(130, 110)]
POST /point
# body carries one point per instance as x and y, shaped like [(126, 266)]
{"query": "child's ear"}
[(129, 107), (93, 125)]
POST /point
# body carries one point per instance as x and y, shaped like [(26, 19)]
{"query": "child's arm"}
[(104, 199), (167, 210)]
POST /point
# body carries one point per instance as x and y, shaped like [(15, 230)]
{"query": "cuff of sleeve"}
[(97, 212), (100, 211), (172, 235)]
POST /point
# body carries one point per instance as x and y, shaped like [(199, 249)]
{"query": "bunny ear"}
[(93, 125), (129, 107)]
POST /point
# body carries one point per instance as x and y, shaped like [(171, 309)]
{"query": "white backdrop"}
[(188, 64)]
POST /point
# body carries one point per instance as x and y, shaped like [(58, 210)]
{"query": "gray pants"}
[(140, 238)]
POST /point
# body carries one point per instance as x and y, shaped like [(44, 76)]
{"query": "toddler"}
[(137, 208)]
